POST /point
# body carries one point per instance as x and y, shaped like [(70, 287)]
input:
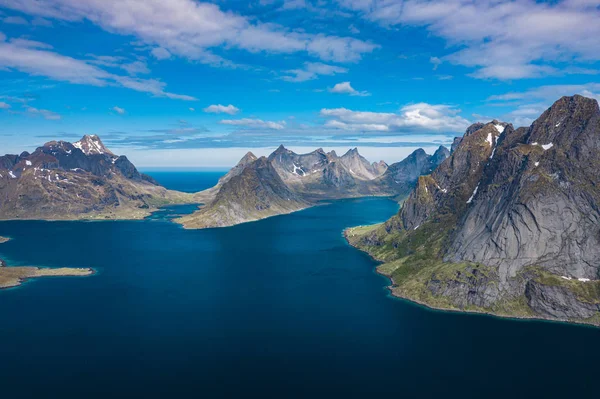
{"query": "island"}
[(15, 276)]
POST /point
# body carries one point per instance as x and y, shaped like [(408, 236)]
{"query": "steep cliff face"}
[(255, 193), (538, 202), (61, 180), (520, 204)]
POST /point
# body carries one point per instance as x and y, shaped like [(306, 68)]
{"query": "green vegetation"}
[(586, 291)]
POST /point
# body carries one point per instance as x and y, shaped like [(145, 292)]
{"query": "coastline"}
[(321, 202), (14, 276), (11, 277), (430, 307)]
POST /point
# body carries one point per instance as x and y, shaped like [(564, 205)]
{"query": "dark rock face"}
[(538, 202), (558, 302)]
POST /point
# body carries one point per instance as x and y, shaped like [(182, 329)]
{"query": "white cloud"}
[(160, 53), (530, 104), (519, 39), (436, 62), (192, 109), (421, 116), (15, 20), (191, 28), (35, 59), (46, 114), (346, 88), (222, 109), (4, 105), (311, 71), (118, 110), (254, 123)]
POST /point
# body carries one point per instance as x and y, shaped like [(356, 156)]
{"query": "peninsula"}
[(14, 276)]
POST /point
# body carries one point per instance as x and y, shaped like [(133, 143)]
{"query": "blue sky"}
[(191, 83)]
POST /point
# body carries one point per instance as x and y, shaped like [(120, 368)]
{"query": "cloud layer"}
[(191, 29), (502, 40), (414, 117)]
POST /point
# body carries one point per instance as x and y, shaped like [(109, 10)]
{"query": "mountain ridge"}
[(300, 181), (81, 180)]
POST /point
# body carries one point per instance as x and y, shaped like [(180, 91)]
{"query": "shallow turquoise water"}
[(278, 308)]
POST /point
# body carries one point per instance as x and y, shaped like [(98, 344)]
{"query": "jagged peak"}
[(351, 152), (332, 154), (281, 148), (92, 144), (249, 157), (416, 153)]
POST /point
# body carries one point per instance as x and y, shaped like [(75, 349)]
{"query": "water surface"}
[(278, 308)]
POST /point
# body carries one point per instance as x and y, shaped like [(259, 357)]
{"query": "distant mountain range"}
[(285, 182), (84, 179), (509, 224)]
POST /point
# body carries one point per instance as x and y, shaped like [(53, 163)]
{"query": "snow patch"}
[(490, 139), (473, 195), (296, 169), (583, 280), (557, 125), (28, 163), (11, 174), (499, 128), (537, 164), (566, 278), (547, 146), (416, 227)]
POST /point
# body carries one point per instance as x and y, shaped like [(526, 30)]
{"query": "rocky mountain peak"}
[(563, 123), (440, 154), (91, 144), (248, 158)]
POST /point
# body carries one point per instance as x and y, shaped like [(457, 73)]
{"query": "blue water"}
[(279, 308), (189, 181)]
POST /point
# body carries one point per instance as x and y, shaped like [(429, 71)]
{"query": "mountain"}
[(508, 224), (60, 180), (252, 192), (403, 175), (286, 181)]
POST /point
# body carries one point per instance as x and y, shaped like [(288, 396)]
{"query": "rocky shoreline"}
[(427, 305), (14, 276)]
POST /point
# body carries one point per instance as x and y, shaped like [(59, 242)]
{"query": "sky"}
[(185, 83)]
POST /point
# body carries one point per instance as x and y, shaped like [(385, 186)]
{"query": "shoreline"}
[(425, 305), (15, 276), (322, 202), (12, 277)]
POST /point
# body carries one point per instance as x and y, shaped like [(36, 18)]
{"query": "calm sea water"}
[(279, 308)]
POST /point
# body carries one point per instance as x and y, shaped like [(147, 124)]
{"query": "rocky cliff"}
[(82, 180), (508, 224)]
